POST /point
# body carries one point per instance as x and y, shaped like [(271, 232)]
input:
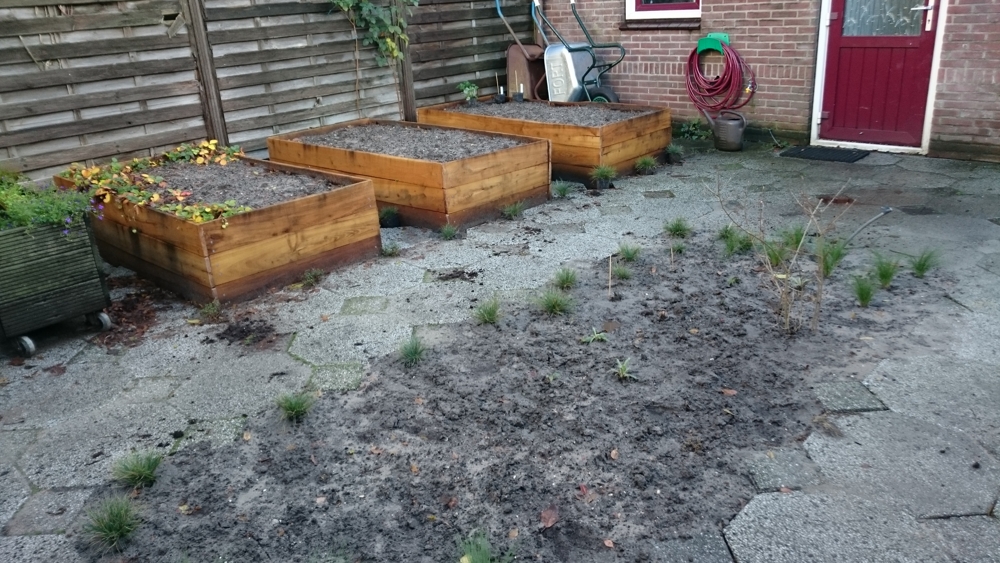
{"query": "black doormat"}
[(825, 153)]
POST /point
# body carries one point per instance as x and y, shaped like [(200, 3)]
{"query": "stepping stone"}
[(702, 548), (799, 527), (907, 463), (47, 512), (957, 394), (970, 538), (788, 468), (847, 396), (28, 549)]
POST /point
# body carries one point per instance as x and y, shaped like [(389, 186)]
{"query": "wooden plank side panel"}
[(259, 282), (625, 153), (141, 247), (493, 190), (400, 193), (490, 165), (155, 224), (165, 278), (635, 127), (300, 244)]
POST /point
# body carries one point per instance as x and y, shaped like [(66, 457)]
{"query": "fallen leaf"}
[(512, 533), (614, 454), (770, 454), (419, 400), (246, 435), (728, 392), (57, 369), (693, 330), (187, 509), (375, 450), (609, 543), (281, 532), (784, 490), (4, 381), (16, 361), (550, 516), (320, 501), (866, 338), (194, 321), (452, 503), (653, 270), (312, 458), (414, 469), (324, 318)]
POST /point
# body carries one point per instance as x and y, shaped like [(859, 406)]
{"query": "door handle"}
[(929, 20)]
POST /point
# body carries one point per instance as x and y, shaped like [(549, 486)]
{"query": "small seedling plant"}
[(312, 277), (628, 252), (924, 262), (864, 290), (412, 352), (137, 469), (594, 337), (736, 241), (212, 312), (602, 175), (885, 270), (621, 272), (645, 165), (512, 211), (565, 279), (448, 231), (295, 406), (111, 524), (554, 302), (477, 549), (390, 250), (469, 90), (488, 313), (678, 228), (621, 370), (561, 189)]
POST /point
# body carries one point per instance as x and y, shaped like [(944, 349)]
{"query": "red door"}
[(878, 69)]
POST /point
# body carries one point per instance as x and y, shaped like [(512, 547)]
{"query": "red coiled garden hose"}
[(725, 91)]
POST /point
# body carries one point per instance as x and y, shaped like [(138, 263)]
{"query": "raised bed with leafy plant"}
[(208, 223), (49, 268)]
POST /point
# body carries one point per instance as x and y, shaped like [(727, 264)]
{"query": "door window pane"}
[(883, 17)]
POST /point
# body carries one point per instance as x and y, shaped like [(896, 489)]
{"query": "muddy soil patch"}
[(239, 181), (134, 313), (590, 115), (499, 423), (421, 143)]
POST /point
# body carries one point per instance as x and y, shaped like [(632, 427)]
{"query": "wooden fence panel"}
[(452, 41), (81, 81), (286, 66)]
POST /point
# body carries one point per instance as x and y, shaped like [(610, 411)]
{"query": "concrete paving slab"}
[(236, 380), (14, 491), (962, 395), (51, 392), (702, 548), (47, 512), (908, 464), (338, 377), (39, 548), (80, 450), (847, 396), (14, 442), (149, 389), (821, 528), (349, 339), (782, 468), (969, 539)]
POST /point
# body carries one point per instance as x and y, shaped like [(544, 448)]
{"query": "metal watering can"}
[(727, 128)]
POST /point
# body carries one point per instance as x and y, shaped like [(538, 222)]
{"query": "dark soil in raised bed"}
[(584, 115), (247, 183), (420, 143), (499, 423)]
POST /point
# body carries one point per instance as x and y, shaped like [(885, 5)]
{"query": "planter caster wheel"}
[(101, 320), (25, 346)]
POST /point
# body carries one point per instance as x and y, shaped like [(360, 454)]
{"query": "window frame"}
[(634, 10)]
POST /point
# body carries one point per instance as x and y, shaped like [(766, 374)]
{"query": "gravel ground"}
[(589, 115), (421, 143)]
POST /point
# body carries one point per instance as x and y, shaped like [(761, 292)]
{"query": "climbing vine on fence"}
[(381, 26)]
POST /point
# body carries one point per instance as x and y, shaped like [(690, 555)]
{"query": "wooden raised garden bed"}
[(242, 255), (576, 149), (430, 193)]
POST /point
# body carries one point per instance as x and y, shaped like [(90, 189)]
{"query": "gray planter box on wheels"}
[(47, 277)]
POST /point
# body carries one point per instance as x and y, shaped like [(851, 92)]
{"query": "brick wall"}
[(967, 109), (777, 39)]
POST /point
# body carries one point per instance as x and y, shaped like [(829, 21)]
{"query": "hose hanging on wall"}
[(725, 91)]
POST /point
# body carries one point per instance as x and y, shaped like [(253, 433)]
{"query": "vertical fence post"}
[(406, 94), (211, 98)]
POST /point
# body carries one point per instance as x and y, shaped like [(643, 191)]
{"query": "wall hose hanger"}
[(732, 89)]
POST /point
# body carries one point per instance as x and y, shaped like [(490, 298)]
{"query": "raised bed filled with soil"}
[(433, 175), (298, 220), (583, 135)]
